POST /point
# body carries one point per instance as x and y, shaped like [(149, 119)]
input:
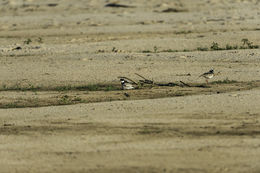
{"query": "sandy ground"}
[(49, 45), (181, 134)]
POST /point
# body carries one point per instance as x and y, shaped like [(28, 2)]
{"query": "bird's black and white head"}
[(122, 81), (126, 85), (211, 71)]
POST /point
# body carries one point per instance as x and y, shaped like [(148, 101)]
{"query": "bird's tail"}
[(200, 76)]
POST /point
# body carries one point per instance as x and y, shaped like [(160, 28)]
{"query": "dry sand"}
[(46, 46)]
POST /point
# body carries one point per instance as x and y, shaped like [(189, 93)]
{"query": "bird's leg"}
[(207, 81)]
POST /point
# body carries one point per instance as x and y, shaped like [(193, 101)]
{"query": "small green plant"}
[(4, 86), (170, 50), (235, 47), (215, 46), (92, 87), (65, 99), (63, 88), (101, 51), (97, 87), (77, 99), (228, 47), (39, 40), (114, 49), (248, 44), (183, 32), (110, 88), (155, 49), (178, 94), (28, 41), (10, 105), (146, 51), (150, 130), (245, 41), (202, 49)]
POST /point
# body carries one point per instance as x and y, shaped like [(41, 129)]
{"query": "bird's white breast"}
[(128, 86), (209, 76)]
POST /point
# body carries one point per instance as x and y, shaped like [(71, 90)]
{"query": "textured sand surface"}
[(212, 133), (48, 45)]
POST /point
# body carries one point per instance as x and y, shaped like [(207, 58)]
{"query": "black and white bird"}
[(208, 75), (126, 85)]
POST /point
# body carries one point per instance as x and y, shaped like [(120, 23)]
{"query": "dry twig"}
[(146, 81)]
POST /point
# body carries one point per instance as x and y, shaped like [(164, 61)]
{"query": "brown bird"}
[(208, 75)]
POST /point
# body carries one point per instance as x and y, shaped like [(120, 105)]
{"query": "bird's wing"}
[(205, 74)]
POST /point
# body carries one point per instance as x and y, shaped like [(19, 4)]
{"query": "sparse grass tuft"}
[(19, 88), (98, 87), (91, 87), (215, 46), (10, 105), (111, 88), (248, 45), (65, 99), (39, 40), (170, 50), (77, 99), (28, 41), (202, 49), (183, 32), (228, 47), (155, 48), (63, 88), (146, 51), (150, 130)]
